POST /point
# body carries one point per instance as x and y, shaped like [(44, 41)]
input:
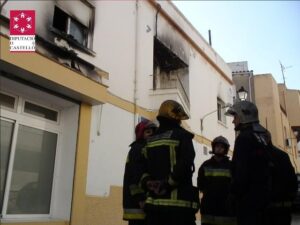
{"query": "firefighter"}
[(284, 186), (214, 178), (133, 195), (169, 159), (251, 165)]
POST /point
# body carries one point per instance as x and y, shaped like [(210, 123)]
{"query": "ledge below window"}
[(35, 221), (222, 123), (72, 41)]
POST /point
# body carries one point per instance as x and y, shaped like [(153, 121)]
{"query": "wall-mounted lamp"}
[(242, 93), (207, 114)]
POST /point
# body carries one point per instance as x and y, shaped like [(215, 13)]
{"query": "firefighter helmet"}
[(142, 126), (172, 110), (220, 140), (245, 110)]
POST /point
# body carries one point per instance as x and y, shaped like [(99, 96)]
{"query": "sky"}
[(260, 32)]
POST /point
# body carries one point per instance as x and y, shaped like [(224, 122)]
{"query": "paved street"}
[(296, 219)]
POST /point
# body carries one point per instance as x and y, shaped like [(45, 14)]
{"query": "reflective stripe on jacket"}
[(133, 214), (218, 220), (169, 157), (132, 191), (214, 179)]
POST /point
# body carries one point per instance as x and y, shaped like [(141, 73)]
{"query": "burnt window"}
[(60, 20), (170, 69), (69, 26)]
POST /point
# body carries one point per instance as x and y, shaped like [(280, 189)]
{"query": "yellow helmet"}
[(172, 110)]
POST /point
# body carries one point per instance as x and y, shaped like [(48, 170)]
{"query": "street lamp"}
[(207, 114), (242, 93)]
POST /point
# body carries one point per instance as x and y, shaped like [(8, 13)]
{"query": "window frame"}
[(38, 117), (67, 32), (220, 111), (60, 208), (37, 123), (15, 103), (88, 48)]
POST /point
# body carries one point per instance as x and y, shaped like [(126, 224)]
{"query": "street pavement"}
[(296, 219)]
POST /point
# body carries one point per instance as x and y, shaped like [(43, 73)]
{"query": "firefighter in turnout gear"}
[(169, 166), (133, 194), (251, 165), (214, 178), (284, 187)]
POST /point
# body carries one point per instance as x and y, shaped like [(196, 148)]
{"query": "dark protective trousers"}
[(169, 218), (136, 222), (279, 216)]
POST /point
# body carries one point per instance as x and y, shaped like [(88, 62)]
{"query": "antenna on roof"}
[(209, 37), (283, 68)]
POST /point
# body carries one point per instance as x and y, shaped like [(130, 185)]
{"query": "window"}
[(74, 21), (221, 111), (32, 174), (7, 101), (75, 30), (31, 178), (37, 156), (40, 111), (170, 71), (6, 129)]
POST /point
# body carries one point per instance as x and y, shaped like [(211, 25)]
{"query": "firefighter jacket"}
[(169, 157), (214, 178), (251, 170), (132, 192), (284, 180)]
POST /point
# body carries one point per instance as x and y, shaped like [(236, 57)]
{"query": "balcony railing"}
[(176, 84)]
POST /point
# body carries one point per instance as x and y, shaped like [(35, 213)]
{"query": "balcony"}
[(170, 78)]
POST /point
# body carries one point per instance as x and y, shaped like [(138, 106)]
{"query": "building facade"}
[(290, 101), (243, 77), (68, 110), (278, 107), (273, 115)]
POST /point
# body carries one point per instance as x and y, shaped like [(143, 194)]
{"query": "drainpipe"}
[(135, 64), (156, 18)]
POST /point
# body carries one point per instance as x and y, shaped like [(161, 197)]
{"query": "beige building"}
[(275, 103), (279, 107), (290, 101)]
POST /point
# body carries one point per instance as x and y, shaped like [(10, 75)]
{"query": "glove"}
[(153, 185), (163, 187), (142, 204)]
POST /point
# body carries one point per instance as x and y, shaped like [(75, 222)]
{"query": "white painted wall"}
[(108, 151), (114, 43), (66, 154)]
